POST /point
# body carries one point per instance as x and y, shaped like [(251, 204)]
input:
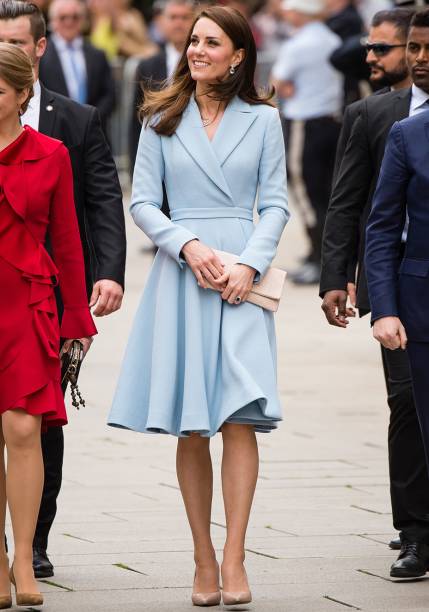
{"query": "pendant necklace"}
[(206, 121)]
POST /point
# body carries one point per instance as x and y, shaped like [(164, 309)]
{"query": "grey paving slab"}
[(321, 522)]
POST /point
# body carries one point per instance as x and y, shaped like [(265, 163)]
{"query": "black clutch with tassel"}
[(71, 361)]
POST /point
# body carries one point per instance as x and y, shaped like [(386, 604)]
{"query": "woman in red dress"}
[(36, 198)]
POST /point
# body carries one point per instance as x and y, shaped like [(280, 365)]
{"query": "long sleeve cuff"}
[(257, 263), (77, 323)]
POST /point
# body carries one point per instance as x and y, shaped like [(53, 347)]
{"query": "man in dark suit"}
[(72, 66), (398, 278), (175, 23), (98, 200), (346, 221)]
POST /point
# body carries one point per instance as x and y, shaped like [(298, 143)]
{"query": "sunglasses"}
[(381, 49), (71, 17)]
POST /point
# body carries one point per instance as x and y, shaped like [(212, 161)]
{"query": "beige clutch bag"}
[(268, 291)]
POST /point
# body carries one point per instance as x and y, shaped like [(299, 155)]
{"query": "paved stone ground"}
[(321, 520)]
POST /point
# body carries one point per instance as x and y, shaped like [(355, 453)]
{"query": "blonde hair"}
[(16, 70)]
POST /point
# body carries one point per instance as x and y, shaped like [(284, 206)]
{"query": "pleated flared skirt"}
[(193, 361)]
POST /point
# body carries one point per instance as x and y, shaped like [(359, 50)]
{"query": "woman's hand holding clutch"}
[(238, 283), (204, 263)]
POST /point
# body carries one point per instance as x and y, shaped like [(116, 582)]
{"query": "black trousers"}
[(419, 360), (53, 453), (311, 149), (409, 476)]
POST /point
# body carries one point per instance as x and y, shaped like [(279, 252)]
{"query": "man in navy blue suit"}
[(397, 251)]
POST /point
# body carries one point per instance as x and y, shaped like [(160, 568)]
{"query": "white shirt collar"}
[(32, 114), (35, 100), (418, 98), (63, 45)]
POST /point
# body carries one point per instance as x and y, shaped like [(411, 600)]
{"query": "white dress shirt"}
[(304, 60), (65, 50), (32, 114), (173, 57), (418, 101)]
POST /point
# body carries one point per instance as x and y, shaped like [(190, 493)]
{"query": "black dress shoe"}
[(413, 560), (43, 568), (395, 544)]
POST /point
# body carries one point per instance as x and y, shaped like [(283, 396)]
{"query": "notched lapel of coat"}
[(236, 122), (47, 112), (193, 137)]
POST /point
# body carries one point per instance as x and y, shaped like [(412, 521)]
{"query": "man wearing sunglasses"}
[(72, 66), (351, 198)]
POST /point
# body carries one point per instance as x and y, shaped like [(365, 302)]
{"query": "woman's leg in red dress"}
[(24, 484), (4, 561)]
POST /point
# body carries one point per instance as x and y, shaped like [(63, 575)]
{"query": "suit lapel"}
[(235, 124), (193, 137), (402, 104), (48, 112), (53, 64)]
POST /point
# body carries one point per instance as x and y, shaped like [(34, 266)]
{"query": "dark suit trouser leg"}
[(53, 453), (409, 476)]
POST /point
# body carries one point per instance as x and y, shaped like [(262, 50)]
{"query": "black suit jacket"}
[(101, 90), (354, 189), (351, 113), (97, 192), (150, 72)]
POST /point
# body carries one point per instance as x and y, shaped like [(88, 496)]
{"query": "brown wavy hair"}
[(16, 70), (163, 109)]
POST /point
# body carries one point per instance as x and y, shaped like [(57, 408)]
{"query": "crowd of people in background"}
[(102, 52)]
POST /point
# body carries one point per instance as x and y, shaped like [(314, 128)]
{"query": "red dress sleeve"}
[(68, 255)]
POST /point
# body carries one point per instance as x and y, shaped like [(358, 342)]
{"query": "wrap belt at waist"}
[(230, 212)]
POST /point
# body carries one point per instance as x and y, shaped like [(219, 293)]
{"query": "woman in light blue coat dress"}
[(201, 361)]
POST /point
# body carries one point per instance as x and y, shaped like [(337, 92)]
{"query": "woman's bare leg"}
[(240, 464), (4, 561), (24, 484), (195, 475)]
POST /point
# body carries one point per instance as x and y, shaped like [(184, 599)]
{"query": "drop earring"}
[(232, 70)]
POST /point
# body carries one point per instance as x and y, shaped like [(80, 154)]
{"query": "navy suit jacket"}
[(399, 286)]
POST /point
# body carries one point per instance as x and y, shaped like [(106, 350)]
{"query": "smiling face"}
[(211, 53), (10, 102), (418, 57)]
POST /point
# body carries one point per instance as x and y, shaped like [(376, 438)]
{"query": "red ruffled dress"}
[(36, 198)]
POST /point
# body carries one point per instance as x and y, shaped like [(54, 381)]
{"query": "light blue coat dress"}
[(193, 361)]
